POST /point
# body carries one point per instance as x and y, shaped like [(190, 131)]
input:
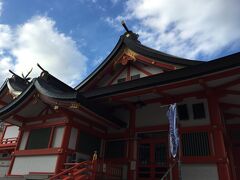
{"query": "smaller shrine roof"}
[(52, 91)]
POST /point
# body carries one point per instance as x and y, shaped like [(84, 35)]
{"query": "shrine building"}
[(113, 125)]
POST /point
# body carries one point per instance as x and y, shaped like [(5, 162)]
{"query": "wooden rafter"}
[(233, 92), (116, 75), (154, 62), (3, 103), (229, 84), (174, 98), (162, 93), (231, 116), (43, 111), (141, 70), (177, 84), (228, 105), (204, 84), (129, 72)]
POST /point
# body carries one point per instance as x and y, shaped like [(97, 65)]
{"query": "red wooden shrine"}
[(113, 125)]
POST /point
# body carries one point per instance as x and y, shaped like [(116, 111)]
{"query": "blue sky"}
[(71, 37)]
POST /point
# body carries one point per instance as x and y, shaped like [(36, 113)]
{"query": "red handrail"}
[(70, 170)]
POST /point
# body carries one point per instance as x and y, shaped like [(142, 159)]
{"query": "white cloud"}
[(184, 27), (114, 2), (113, 22), (5, 36), (5, 64), (1, 4), (39, 41)]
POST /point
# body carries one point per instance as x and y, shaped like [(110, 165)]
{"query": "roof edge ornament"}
[(44, 74), (129, 33), (26, 77), (15, 76), (13, 73), (125, 26), (41, 68)]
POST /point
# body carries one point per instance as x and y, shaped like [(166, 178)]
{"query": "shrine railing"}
[(81, 170), (108, 170)]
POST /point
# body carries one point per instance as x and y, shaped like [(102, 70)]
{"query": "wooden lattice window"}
[(137, 76), (121, 80), (88, 143), (183, 114), (199, 111), (195, 144), (39, 138), (115, 149)]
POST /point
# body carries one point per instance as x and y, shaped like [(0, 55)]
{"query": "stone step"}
[(12, 178), (36, 176)]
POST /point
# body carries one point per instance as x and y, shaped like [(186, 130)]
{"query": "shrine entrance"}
[(152, 156)]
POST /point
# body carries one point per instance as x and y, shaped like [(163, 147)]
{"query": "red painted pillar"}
[(218, 137), (63, 155), (19, 139), (131, 142)]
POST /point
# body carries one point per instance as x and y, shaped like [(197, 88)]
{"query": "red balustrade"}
[(90, 170), (80, 171)]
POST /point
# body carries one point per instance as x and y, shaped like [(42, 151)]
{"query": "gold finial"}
[(94, 156)]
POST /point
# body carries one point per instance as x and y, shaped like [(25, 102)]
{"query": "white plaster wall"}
[(33, 123), (73, 138), (135, 71), (4, 162), (24, 140), (233, 121), (4, 165), (122, 114), (3, 170), (199, 172), (25, 164), (57, 119), (125, 172), (122, 75), (11, 132), (57, 137), (113, 130), (191, 121), (109, 76), (105, 80), (151, 115), (152, 69)]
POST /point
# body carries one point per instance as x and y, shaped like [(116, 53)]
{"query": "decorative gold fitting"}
[(74, 106), (130, 53), (35, 100)]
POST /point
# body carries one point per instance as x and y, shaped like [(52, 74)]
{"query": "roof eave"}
[(224, 63), (102, 65)]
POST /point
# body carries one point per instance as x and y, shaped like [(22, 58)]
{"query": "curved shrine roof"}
[(130, 40), (55, 91)]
